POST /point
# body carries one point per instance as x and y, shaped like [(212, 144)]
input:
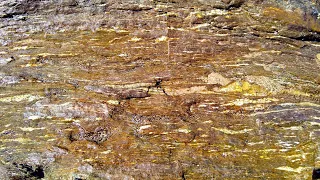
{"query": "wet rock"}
[(303, 35), (28, 166), (32, 165), (26, 171), (315, 174)]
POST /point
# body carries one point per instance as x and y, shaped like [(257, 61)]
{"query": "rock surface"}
[(159, 89)]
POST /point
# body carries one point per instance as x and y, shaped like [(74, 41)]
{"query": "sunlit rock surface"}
[(159, 89)]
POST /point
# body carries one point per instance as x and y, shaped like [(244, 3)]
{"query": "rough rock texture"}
[(159, 89)]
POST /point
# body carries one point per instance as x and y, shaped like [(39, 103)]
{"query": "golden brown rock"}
[(219, 89)]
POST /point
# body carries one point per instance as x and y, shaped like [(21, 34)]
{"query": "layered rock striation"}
[(159, 89)]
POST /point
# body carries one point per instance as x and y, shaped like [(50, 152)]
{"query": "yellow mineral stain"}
[(229, 131), (268, 150), (32, 41), (202, 105), (318, 59), (207, 122), (293, 128), (244, 87), (204, 136), (216, 12), (20, 98), (20, 48), (25, 47), (57, 55), (89, 160), (255, 143), (106, 152), (314, 123), (135, 39), (184, 131), (308, 104), (172, 14), (290, 169), (161, 39), (31, 65), (20, 140), (297, 92), (315, 117), (47, 136)]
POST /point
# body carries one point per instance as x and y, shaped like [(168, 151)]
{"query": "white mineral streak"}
[(144, 127), (278, 111), (290, 169), (184, 131), (229, 131), (191, 90), (135, 39), (240, 102), (29, 129), (162, 38)]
